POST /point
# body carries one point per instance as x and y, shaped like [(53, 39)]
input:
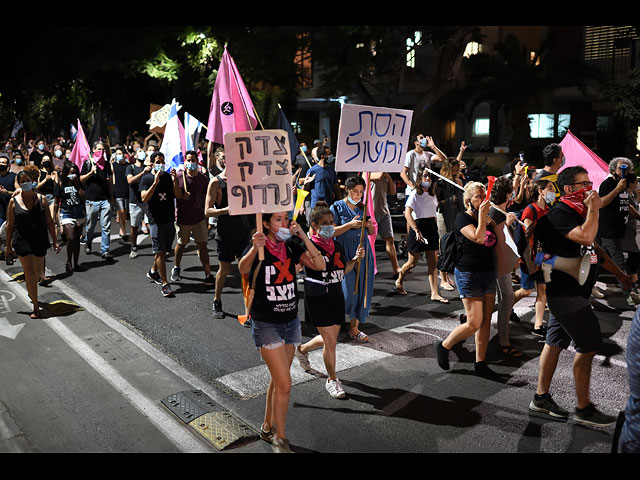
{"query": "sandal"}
[(68, 268), (399, 290), (441, 300), (361, 337), (446, 286), (509, 351), (35, 314)]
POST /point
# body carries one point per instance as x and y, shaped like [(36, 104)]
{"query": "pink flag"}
[(81, 151), (371, 213), (231, 107), (577, 153)]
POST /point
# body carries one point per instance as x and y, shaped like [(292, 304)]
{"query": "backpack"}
[(448, 255)]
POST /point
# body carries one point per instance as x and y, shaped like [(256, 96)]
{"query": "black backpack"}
[(448, 255)]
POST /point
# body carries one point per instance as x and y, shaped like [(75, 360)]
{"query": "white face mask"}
[(549, 197)]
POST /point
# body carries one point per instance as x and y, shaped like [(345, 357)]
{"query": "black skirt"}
[(429, 229)]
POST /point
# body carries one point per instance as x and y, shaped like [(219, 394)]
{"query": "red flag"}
[(231, 107), (81, 151)]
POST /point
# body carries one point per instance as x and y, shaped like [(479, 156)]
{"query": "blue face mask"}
[(423, 143), (27, 186), (352, 201), (18, 161), (192, 165), (41, 147), (283, 234), (157, 167), (119, 157), (549, 197), (327, 231), (304, 148)]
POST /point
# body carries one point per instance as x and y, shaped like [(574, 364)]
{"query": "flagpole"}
[(462, 188)]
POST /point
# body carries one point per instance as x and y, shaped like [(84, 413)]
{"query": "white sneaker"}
[(303, 358), (175, 274), (595, 293), (334, 387)]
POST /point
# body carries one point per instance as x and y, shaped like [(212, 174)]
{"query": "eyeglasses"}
[(584, 184)]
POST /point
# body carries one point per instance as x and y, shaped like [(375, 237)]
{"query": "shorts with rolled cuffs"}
[(199, 231), (273, 335), (475, 284)]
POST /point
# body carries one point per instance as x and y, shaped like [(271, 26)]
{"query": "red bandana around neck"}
[(326, 243), (576, 201), (277, 249)]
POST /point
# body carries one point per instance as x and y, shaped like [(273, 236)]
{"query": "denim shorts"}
[(526, 282), (274, 335), (475, 284)]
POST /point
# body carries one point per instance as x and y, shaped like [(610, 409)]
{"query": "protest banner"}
[(372, 139), (258, 165)]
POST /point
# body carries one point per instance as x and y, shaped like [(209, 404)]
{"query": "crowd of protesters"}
[(46, 201)]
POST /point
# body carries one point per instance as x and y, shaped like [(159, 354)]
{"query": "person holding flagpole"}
[(357, 286)]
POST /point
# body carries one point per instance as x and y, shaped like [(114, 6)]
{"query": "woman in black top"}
[(275, 326), (475, 277), (28, 219), (70, 205)]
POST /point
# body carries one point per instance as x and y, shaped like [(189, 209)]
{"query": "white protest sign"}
[(372, 139), (258, 165)]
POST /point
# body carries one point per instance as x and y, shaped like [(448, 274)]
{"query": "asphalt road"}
[(97, 378)]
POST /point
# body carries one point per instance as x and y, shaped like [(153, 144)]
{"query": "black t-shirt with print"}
[(473, 257), (613, 218), (276, 292), (559, 222), (162, 205), (329, 280)]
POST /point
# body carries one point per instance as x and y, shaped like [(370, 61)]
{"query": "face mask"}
[(67, 155), (192, 165), (71, 176), (327, 231), (141, 156), (423, 143), (283, 234), (18, 161), (304, 149), (157, 167), (58, 153), (425, 185), (27, 186), (46, 165), (549, 197), (352, 201), (119, 157), (41, 147), (4, 168)]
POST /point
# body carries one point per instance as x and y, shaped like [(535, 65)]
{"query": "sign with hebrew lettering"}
[(372, 139), (258, 165)]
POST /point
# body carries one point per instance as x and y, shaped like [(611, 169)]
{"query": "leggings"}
[(505, 304)]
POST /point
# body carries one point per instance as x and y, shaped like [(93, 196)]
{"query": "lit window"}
[(471, 49), (411, 49), (545, 125), (481, 127)]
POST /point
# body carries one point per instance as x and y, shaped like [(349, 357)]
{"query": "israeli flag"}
[(171, 146), (192, 127)]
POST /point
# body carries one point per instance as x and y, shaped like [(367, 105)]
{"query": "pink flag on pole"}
[(81, 151), (231, 107), (371, 213), (577, 153)]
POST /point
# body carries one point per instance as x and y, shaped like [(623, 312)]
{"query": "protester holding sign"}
[(348, 215), (275, 325)]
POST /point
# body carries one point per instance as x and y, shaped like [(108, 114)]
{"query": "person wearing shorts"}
[(475, 278), (382, 185), (71, 208), (570, 232), (275, 325), (420, 212), (233, 234), (190, 219), (157, 190), (137, 208), (323, 298)]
